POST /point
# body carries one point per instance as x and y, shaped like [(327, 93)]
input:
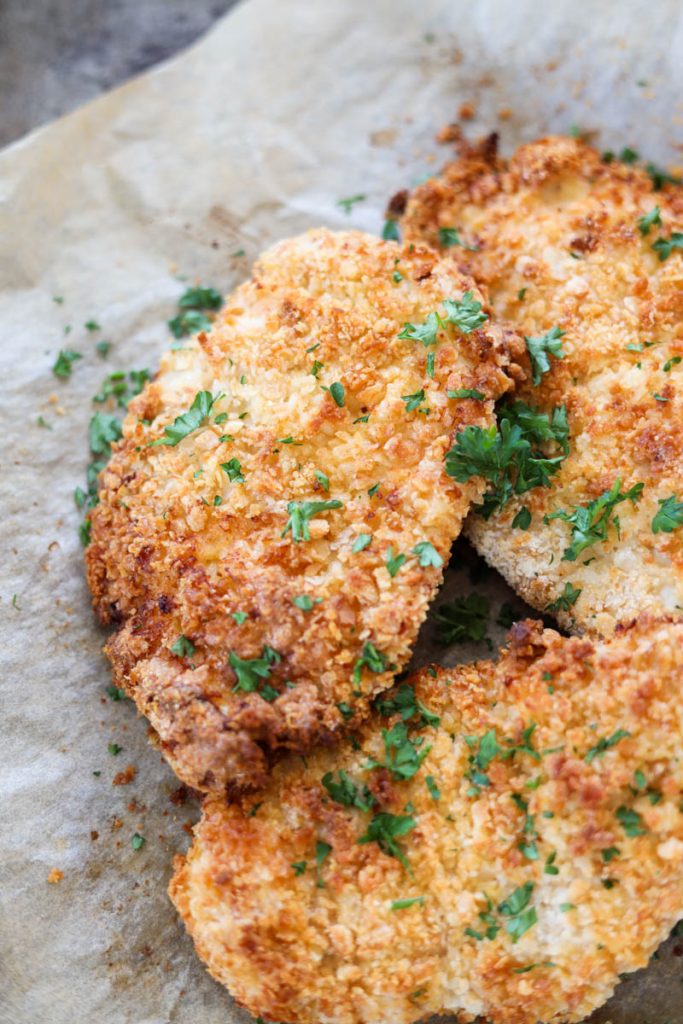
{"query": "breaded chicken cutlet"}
[(275, 520), (499, 839), (585, 258)]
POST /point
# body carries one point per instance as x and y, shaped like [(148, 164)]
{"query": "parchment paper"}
[(254, 134)]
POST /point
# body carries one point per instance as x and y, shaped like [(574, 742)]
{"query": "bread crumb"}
[(55, 876), (467, 111), (125, 777)]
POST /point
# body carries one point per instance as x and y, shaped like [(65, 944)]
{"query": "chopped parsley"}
[(306, 603), (413, 401), (522, 521), (670, 363), (434, 790), (516, 909), (362, 541), (426, 332), (372, 491), (566, 600), (410, 902), (464, 619), (407, 705), (465, 313), (478, 396), (385, 829), (590, 523), (117, 386), (316, 367), (660, 177), (348, 204), (509, 455), (252, 672), (631, 822), (103, 431), (300, 514), (393, 562), (390, 232), (114, 749), (183, 647), (665, 246), (427, 555), (240, 617), (234, 470), (64, 362), (189, 421), (605, 743), (371, 659), (322, 852), (137, 841), (92, 325), (540, 348), (191, 319), (347, 792), (345, 710), (449, 237), (609, 853), (322, 479), (649, 219), (403, 756), (337, 392), (299, 866), (668, 516)]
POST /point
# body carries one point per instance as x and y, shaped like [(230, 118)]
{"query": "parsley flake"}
[(668, 516), (63, 364), (393, 562), (234, 470), (427, 555), (649, 219), (631, 822), (371, 659), (567, 598), (137, 841), (410, 902), (348, 204), (385, 829), (347, 792), (590, 523), (183, 647), (473, 393), (251, 672), (665, 246), (465, 313), (300, 514), (414, 400), (390, 232), (605, 743), (337, 392), (540, 348), (362, 541), (189, 421)]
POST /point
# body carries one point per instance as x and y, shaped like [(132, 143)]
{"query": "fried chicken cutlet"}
[(276, 518), (500, 839), (585, 258)]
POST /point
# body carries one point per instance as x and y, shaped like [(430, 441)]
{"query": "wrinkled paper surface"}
[(252, 135)]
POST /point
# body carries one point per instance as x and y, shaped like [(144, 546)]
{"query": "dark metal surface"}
[(57, 54)]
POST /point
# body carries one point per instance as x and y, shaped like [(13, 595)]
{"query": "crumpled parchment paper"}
[(252, 135)]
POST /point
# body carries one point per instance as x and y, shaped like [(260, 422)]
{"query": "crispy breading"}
[(559, 244), (543, 851), (197, 552)]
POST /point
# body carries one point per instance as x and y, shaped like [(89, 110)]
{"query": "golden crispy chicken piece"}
[(500, 840), (275, 520), (585, 258)]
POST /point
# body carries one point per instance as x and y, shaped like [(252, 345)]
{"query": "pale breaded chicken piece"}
[(275, 520), (566, 242), (500, 839)]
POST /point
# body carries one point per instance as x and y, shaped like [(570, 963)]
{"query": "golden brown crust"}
[(178, 548), (559, 226), (588, 809)]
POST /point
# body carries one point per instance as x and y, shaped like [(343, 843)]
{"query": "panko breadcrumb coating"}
[(275, 520), (568, 242), (500, 840)]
